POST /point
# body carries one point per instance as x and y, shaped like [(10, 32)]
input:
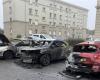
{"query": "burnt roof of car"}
[(4, 39), (97, 43)]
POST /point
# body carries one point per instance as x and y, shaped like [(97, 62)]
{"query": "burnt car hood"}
[(32, 48), (4, 39)]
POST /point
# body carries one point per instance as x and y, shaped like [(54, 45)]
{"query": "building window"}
[(36, 12), (36, 1), (74, 16), (30, 11), (65, 25), (60, 17), (30, 21), (50, 6), (50, 15), (66, 10), (43, 27), (60, 8), (10, 19), (55, 6), (43, 18), (54, 16), (44, 9), (74, 24), (60, 24), (50, 23), (10, 10), (30, 1), (54, 23)]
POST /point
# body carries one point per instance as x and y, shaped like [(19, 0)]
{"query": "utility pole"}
[(25, 21)]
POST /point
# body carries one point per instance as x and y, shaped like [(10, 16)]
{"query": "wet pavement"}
[(14, 70)]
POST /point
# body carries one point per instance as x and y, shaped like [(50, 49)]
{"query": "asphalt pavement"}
[(10, 70), (14, 70)]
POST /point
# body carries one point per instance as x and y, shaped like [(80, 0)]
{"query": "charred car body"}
[(7, 49), (45, 52), (84, 58)]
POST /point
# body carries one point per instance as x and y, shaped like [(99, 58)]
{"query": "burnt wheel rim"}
[(45, 60)]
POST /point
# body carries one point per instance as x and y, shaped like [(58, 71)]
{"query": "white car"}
[(7, 49), (39, 37)]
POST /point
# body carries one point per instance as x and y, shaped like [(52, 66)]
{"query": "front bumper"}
[(77, 68), (29, 58)]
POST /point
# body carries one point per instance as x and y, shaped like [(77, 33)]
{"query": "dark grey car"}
[(45, 52)]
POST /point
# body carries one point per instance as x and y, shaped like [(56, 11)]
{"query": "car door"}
[(64, 49), (55, 50)]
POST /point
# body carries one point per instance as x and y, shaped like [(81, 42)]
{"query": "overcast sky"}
[(89, 4)]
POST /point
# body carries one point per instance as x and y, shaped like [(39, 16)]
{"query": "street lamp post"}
[(25, 21)]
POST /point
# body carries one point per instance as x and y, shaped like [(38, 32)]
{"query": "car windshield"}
[(44, 43), (47, 36), (85, 48)]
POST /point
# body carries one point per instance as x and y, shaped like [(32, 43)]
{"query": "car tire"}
[(8, 55), (45, 60)]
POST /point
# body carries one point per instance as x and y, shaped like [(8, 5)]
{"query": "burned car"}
[(7, 49), (85, 57), (45, 52)]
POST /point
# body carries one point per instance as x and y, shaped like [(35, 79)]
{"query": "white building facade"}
[(97, 27), (53, 17)]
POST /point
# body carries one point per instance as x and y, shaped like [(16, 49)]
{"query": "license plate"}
[(27, 60)]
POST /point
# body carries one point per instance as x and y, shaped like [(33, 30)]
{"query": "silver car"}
[(7, 49)]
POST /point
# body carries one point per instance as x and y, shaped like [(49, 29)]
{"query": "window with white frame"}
[(44, 9), (30, 11), (36, 1), (36, 12), (30, 21), (50, 15)]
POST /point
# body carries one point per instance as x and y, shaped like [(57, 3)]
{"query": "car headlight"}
[(83, 60)]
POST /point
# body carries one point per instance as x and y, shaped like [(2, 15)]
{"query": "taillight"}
[(97, 59)]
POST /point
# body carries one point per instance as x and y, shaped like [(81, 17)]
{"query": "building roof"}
[(65, 3)]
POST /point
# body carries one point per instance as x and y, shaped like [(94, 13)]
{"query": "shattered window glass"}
[(85, 48)]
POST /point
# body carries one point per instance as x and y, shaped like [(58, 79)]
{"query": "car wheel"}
[(8, 55), (45, 59)]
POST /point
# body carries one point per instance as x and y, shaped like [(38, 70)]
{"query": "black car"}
[(44, 52)]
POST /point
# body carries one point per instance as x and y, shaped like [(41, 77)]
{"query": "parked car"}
[(39, 37), (45, 52), (84, 58), (7, 49)]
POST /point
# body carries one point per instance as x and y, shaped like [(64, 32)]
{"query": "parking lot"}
[(11, 70), (14, 70)]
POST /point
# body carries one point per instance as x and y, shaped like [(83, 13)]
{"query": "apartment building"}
[(53, 17), (97, 27)]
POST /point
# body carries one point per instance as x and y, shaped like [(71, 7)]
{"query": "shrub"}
[(72, 42)]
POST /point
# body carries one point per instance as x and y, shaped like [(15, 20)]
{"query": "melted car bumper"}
[(76, 68)]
